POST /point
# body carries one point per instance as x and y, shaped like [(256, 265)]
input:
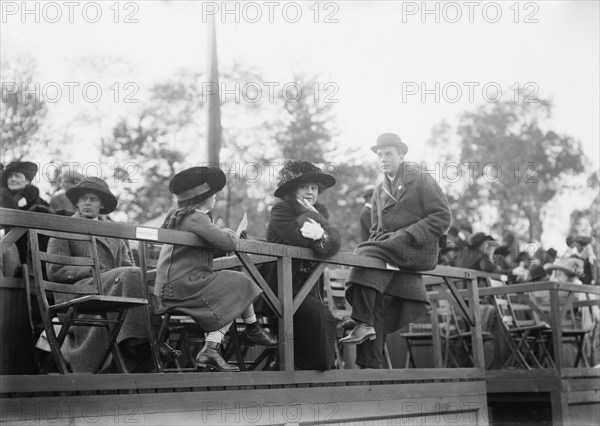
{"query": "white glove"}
[(312, 230)]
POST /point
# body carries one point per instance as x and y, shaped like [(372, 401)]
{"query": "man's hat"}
[(295, 173), (28, 169), (196, 184), (368, 194), (72, 176), (390, 139), (570, 265), (479, 238), (97, 186)]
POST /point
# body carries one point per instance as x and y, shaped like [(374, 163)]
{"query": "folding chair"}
[(524, 336), (573, 330), (335, 290), (88, 307)]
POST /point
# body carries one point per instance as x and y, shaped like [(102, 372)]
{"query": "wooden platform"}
[(544, 396), (442, 396)]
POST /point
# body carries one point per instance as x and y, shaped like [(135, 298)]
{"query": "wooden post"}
[(286, 323), (476, 329), (556, 328)]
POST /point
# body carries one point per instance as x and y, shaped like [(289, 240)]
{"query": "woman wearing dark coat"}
[(17, 192), (299, 220), (118, 275), (185, 279)]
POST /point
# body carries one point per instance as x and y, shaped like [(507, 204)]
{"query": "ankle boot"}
[(209, 357), (256, 335)]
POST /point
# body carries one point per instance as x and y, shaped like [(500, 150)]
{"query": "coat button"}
[(385, 211)]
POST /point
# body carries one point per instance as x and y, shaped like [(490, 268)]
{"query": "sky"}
[(387, 66)]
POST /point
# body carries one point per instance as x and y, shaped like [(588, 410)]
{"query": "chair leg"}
[(154, 347), (113, 347), (56, 343)]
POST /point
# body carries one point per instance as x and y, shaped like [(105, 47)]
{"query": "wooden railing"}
[(248, 253), (552, 310)]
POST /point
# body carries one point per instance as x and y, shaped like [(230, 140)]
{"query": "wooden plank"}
[(584, 397), (308, 285), (476, 329), (270, 297), (13, 283), (275, 406), (88, 382), (11, 217), (286, 323)]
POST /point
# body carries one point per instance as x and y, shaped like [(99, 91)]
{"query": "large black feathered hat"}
[(295, 173), (28, 168), (97, 186), (196, 184)]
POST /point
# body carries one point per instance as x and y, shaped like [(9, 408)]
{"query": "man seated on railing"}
[(409, 215), (92, 197)]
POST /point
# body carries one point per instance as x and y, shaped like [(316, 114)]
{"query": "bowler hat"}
[(196, 184), (390, 139), (479, 238), (97, 186), (570, 265), (295, 173), (368, 194), (28, 169)]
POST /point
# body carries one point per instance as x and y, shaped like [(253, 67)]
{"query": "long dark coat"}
[(119, 278), (405, 232), (314, 325), (185, 279)]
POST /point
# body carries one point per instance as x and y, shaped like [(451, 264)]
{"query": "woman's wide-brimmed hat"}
[(196, 184), (28, 169), (570, 265), (295, 173), (97, 186)]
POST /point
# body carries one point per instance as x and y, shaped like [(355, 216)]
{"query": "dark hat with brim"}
[(390, 139), (479, 238), (97, 186), (196, 184), (295, 173), (368, 194), (28, 169), (570, 265)]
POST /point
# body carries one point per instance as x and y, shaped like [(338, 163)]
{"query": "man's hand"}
[(312, 230)]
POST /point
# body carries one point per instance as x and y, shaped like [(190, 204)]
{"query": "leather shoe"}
[(167, 353), (359, 334), (209, 357), (256, 335)]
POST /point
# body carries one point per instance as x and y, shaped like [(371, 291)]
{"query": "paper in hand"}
[(243, 225)]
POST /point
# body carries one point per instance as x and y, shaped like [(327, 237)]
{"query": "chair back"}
[(514, 315), (335, 289), (42, 260)]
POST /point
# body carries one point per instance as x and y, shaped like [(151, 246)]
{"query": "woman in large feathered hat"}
[(298, 219)]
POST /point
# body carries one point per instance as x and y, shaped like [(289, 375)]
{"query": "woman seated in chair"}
[(299, 220), (185, 280), (119, 277)]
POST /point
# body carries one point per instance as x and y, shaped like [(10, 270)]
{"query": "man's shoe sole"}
[(358, 342)]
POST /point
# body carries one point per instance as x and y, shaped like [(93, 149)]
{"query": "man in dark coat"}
[(409, 215), (365, 216)]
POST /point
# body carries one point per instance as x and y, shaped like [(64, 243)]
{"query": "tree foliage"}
[(22, 112), (512, 164)]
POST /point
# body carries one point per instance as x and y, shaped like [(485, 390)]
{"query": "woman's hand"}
[(312, 230)]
